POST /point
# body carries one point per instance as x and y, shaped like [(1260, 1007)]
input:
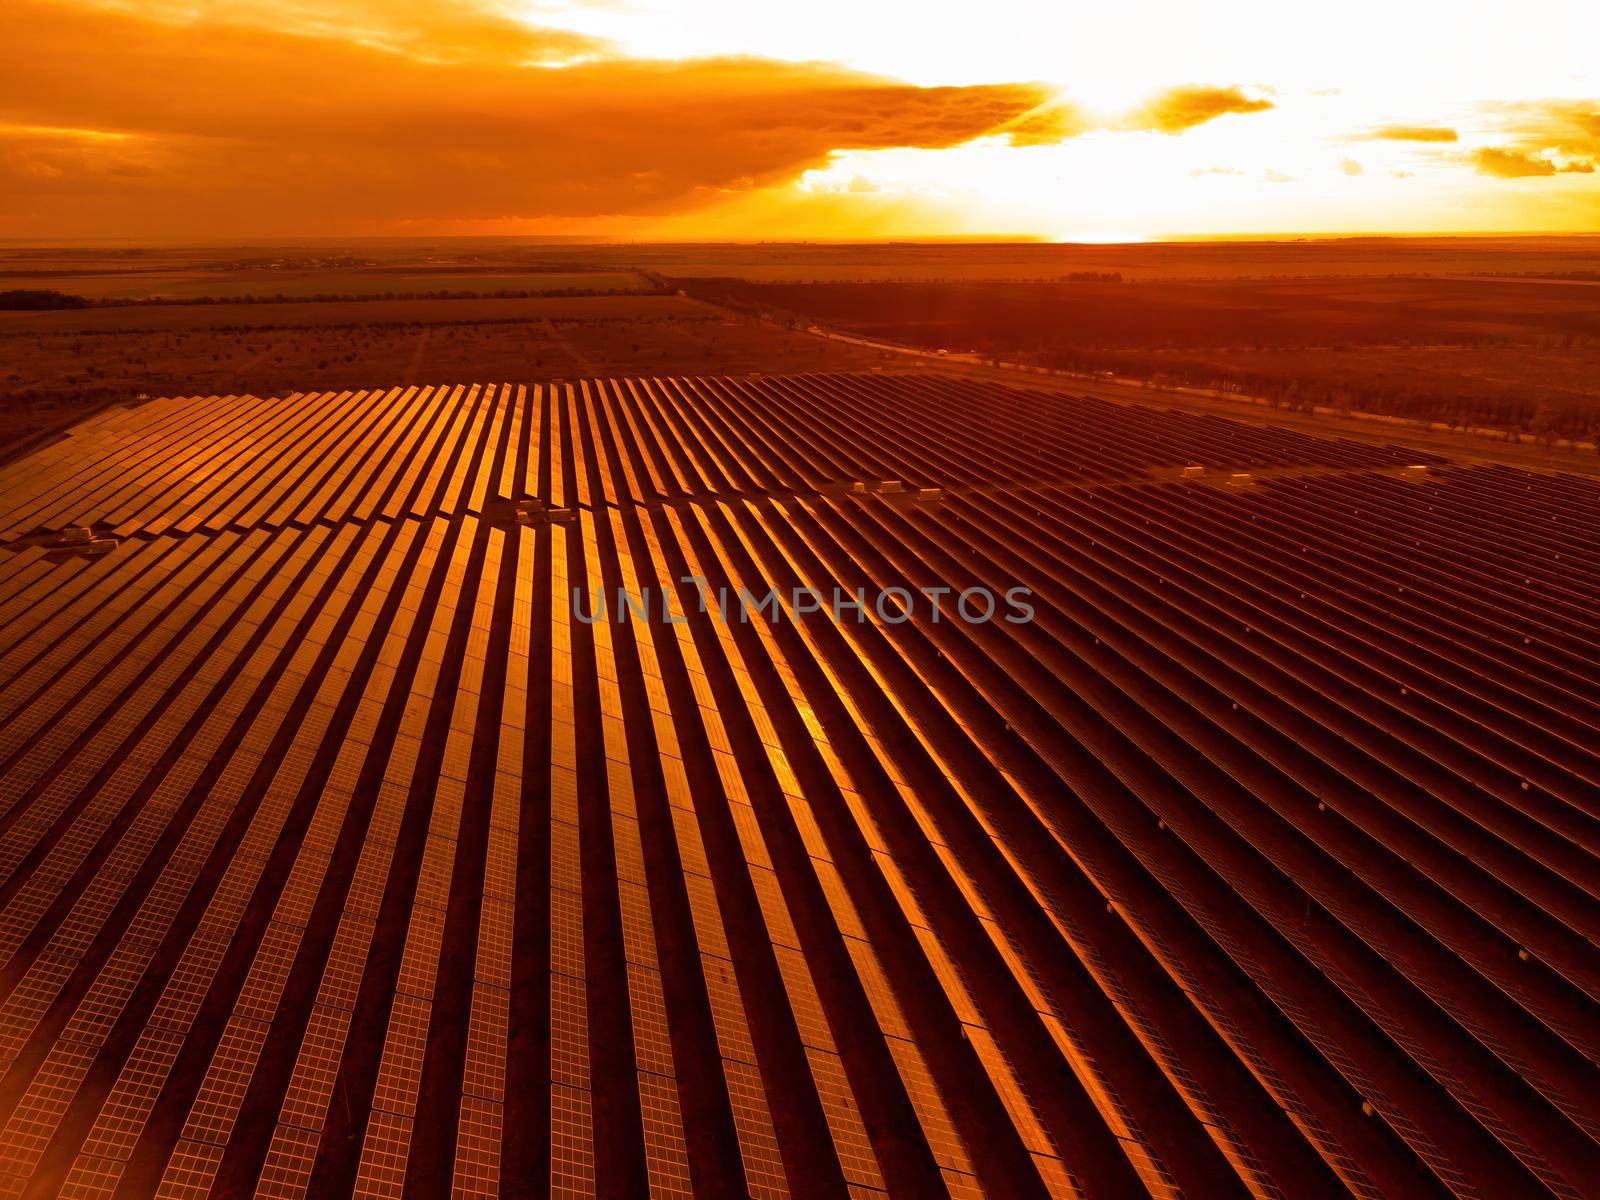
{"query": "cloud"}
[(1542, 138), (1351, 167), (1172, 111), (1512, 164), (247, 117), (438, 31), (1509, 164), (1182, 108), (364, 117), (1410, 133), (1047, 124), (1566, 126)]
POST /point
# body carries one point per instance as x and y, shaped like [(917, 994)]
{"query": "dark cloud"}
[(1410, 133), (227, 129), (440, 31), (1182, 108), (350, 116)]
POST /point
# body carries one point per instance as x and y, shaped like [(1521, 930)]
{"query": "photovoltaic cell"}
[(1033, 831)]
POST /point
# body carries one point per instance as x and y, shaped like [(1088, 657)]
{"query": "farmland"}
[(341, 849), (855, 262), (136, 319), (1222, 315), (1482, 332), (1551, 388), (287, 272), (1512, 354), (292, 284), (56, 364)]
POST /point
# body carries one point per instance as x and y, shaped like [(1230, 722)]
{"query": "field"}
[(146, 269), (1235, 314), (807, 262), (1515, 355), (1492, 384), (340, 846), (1480, 333), (54, 365), (289, 284), (137, 319), (286, 272)]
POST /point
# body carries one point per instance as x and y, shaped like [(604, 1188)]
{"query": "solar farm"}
[(343, 851)]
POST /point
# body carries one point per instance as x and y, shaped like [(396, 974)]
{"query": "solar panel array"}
[(339, 855)]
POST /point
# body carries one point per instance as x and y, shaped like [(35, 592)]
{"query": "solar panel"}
[(1241, 752)]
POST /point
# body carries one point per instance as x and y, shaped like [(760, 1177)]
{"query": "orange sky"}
[(836, 118)]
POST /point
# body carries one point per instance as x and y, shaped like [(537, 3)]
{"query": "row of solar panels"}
[(183, 465), (340, 857)]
